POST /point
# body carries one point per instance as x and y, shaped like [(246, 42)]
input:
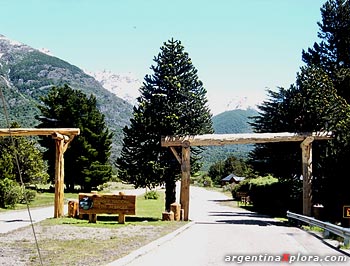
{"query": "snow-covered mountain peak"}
[(124, 85)]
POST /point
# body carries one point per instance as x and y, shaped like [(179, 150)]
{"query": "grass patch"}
[(44, 199), (147, 210), (150, 207), (312, 228), (108, 187), (69, 241)]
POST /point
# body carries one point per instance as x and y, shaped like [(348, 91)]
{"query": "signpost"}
[(346, 212), (93, 204)]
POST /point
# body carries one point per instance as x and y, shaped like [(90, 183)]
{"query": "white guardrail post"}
[(327, 227)]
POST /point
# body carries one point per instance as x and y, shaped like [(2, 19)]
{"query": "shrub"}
[(29, 194), (10, 193), (152, 195), (205, 181), (268, 195)]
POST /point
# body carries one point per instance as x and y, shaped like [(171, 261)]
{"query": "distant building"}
[(232, 179)]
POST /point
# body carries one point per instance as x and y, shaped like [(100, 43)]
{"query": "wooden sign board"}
[(90, 203), (346, 212)]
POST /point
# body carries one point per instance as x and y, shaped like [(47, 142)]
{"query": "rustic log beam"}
[(177, 156), (38, 131), (185, 179), (228, 139), (62, 143), (59, 179), (306, 151), (59, 136)]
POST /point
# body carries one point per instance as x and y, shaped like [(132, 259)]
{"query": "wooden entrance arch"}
[(62, 137), (186, 142)]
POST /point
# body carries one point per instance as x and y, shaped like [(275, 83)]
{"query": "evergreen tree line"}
[(86, 159), (318, 101)]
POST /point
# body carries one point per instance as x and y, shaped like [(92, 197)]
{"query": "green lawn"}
[(43, 200), (47, 199), (149, 210)]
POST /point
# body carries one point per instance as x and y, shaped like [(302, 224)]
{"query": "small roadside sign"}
[(346, 212)]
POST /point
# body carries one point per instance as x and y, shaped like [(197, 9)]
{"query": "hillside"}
[(27, 74), (234, 121), (229, 122)]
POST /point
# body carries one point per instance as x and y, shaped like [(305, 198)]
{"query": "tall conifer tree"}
[(318, 101), (172, 102), (332, 53), (86, 159)]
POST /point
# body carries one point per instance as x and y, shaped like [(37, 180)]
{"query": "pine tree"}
[(172, 102), (309, 105), (86, 160), (332, 54)]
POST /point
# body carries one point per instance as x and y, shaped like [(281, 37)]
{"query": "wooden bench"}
[(93, 204)]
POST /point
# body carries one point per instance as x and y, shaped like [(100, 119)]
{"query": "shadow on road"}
[(246, 214), (244, 218), (222, 200), (15, 220), (252, 222)]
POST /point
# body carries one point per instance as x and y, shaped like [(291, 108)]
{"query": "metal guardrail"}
[(327, 227)]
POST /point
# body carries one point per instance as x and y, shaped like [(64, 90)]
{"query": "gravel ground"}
[(75, 245), (68, 244)]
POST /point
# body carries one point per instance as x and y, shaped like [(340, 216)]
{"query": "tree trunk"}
[(170, 193)]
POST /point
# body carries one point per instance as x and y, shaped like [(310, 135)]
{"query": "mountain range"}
[(26, 74)]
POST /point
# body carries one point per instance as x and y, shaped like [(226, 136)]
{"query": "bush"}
[(10, 193), (268, 195), (205, 181), (29, 195), (152, 195)]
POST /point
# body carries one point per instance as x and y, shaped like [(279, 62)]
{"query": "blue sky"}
[(240, 47)]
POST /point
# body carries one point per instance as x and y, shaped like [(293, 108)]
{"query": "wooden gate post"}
[(59, 179), (306, 150), (185, 178), (61, 143)]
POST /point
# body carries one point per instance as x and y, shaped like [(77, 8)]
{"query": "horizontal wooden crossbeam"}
[(246, 138), (38, 131)]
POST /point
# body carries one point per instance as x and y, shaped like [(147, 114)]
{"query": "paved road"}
[(221, 231), (12, 220)]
